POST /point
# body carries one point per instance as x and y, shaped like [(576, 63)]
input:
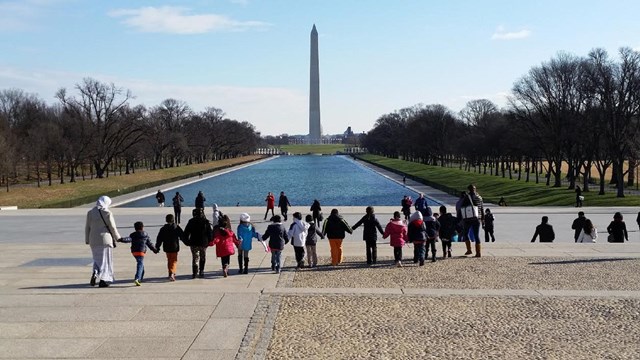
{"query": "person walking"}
[(283, 204), (101, 234), (447, 230), (473, 216), (298, 234), (370, 233), (406, 203), (545, 230), (200, 200), (316, 211), (169, 238), (421, 204), (139, 241), (335, 229), (312, 239), (225, 242), (197, 235), (617, 229), (278, 238), (160, 198), (246, 232), (177, 206), (579, 197), (488, 226), (396, 231), (271, 200), (417, 235), (578, 225), (432, 226), (588, 234)]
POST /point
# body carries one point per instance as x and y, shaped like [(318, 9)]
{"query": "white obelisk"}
[(315, 129)]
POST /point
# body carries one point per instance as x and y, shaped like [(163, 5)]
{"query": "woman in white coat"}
[(589, 233), (100, 234)]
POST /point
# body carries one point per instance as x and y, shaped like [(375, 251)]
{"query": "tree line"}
[(95, 129), (583, 111)]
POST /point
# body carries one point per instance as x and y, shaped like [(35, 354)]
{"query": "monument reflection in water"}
[(333, 180)]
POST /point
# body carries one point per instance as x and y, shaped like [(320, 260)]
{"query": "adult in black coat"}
[(197, 235), (283, 204), (545, 231), (578, 224), (617, 229)]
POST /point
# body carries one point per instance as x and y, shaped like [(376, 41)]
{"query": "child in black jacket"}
[(278, 238), (169, 239)]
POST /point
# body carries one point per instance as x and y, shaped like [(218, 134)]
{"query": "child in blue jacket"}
[(139, 242), (246, 232)]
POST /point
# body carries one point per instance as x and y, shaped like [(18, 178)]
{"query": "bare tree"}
[(104, 111)]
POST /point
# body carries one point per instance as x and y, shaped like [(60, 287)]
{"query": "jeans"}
[(276, 255), (446, 247), (139, 267), (432, 244), (372, 251), (312, 255), (474, 225), (397, 253), (284, 212)]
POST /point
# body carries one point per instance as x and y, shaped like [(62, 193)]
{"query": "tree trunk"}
[(632, 172)]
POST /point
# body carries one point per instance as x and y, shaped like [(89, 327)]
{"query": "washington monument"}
[(315, 129)]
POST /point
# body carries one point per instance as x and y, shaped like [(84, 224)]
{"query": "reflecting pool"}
[(333, 180)]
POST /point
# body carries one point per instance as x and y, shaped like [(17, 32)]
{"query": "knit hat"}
[(244, 217), (415, 216)]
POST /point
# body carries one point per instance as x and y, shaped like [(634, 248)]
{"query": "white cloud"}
[(178, 20), (22, 15), (502, 34), (271, 110)]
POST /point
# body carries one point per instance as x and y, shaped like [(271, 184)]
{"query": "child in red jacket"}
[(396, 229), (225, 240)]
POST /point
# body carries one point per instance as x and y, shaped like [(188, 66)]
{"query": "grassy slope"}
[(516, 193), (313, 149), (46, 196)]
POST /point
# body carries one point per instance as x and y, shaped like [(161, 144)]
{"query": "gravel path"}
[(539, 273), (454, 327)]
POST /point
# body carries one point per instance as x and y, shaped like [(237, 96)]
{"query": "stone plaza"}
[(526, 300)]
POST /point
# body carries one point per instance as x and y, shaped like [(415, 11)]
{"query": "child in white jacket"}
[(298, 235)]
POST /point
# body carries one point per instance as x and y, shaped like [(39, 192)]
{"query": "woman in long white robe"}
[(101, 234)]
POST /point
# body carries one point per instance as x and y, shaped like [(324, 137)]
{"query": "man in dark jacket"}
[(200, 199), (334, 229), (578, 224), (197, 235), (283, 204), (370, 234), (160, 198), (177, 206), (545, 231), (169, 238)]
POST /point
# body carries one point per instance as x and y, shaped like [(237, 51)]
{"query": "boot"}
[(240, 264), (195, 271), (478, 250), (433, 257), (246, 266), (468, 244)]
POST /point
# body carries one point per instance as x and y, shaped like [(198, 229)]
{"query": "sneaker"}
[(103, 283), (449, 253), (137, 282), (469, 253), (245, 271), (399, 264), (225, 273), (93, 280), (172, 277)]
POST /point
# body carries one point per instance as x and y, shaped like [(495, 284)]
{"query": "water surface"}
[(333, 180)]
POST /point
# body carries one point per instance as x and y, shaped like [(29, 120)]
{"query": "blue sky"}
[(251, 58)]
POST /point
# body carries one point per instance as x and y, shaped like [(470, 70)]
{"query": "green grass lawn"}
[(516, 193), (301, 149), (87, 191)]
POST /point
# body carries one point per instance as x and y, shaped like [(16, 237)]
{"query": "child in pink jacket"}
[(224, 239), (397, 231)]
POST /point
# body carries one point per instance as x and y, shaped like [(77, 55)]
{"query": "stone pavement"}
[(559, 300)]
